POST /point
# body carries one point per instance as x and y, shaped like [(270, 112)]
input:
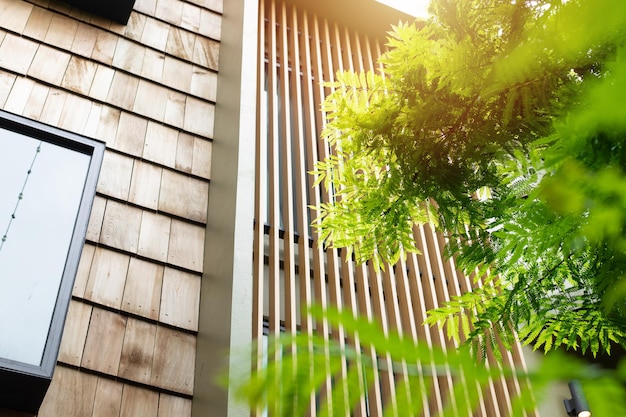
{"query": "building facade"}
[(196, 244)]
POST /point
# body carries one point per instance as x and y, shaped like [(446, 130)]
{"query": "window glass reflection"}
[(38, 211)]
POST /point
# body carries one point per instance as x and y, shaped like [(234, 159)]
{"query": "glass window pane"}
[(41, 185)]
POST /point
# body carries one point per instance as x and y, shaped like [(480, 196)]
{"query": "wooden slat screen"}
[(298, 52)]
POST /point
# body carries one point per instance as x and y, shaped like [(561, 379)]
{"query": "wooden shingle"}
[(137, 351), (108, 400), (120, 227), (105, 337), (142, 292), (154, 236), (75, 333), (14, 15), (107, 277), (145, 184), (138, 401), (180, 299), (174, 359), (186, 248), (71, 393)]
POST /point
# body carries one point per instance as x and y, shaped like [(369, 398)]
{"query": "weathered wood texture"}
[(86, 394), (148, 90), (299, 52)]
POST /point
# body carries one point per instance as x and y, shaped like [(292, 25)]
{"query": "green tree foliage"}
[(503, 123), (307, 366)]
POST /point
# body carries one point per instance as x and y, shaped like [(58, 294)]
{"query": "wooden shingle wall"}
[(148, 90)]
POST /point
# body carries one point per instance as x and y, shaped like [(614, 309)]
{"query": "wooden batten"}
[(260, 196), (273, 177), (301, 51)]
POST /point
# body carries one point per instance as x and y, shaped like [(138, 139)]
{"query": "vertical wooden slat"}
[(424, 334), (341, 58), (309, 44), (311, 89), (385, 362), (318, 93), (393, 312), (301, 79), (520, 363), (349, 277), (457, 283), (409, 325), (286, 175), (274, 178), (447, 284), (492, 393), (286, 180), (300, 139), (490, 400), (260, 194), (431, 301), (368, 62), (260, 199), (364, 285), (330, 65), (513, 385), (332, 258), (366, 311), (501, 392), (351, 304), (498, 398), (274, 174)]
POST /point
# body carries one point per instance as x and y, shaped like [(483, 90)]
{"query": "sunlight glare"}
[(417, 8)]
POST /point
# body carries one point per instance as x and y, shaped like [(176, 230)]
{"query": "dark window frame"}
[(25, 385), (117, 10)]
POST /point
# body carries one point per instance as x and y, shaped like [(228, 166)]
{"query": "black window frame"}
[(117, 10), (24, 385)]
